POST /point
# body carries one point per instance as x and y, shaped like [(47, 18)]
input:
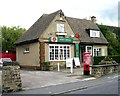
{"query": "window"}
[(26, 50), (60, 27), (97, 52), (94, 33), (59, 52), (89, 49)]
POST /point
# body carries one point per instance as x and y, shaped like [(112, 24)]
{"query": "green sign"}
[(65, 39), (77, 46), (77, 54), (57, 39), (77, 50)]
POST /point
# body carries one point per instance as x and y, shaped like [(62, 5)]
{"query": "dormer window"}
[(94, 33), (60, 28)]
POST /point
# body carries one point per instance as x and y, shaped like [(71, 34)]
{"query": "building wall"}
[(104, 49), (52, 28), (28, 59)]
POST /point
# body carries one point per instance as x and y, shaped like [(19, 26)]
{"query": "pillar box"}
[(87, 60)]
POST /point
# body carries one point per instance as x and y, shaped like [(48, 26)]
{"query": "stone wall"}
[(42, 52), (101, 70), (11, 80), (53, 65)]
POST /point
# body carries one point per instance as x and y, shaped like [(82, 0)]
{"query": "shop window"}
[(59, 52), (97, 52), (60, 28)]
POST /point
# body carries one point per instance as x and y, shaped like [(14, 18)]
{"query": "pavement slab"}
[(38, 79)]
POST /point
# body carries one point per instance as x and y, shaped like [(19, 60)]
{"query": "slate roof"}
[(37, 29), (77, 25), (81, 26)]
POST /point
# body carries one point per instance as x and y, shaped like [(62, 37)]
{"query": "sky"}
[(24, 13)]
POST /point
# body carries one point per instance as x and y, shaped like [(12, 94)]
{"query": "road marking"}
[(86, 79)]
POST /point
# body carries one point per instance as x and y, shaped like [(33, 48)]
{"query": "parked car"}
[(4, 60)]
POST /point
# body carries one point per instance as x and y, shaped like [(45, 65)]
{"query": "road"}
[(110, 87), (104, 85)]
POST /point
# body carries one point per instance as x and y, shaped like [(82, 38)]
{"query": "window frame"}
[(97, 53), (60, 27), (95, 33), (86, 49), (26, 50), (63, 48)]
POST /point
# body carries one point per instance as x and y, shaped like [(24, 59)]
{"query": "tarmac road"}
[(109, 81)]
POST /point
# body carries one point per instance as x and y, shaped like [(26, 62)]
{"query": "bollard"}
[(71, 68)]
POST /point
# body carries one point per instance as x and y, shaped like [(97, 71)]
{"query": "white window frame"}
[(59, 48), (60, 27), (86, 49), (26, 50), (97, 52), (94, 33)]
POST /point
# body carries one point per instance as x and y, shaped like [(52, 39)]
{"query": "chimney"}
[(93, 19)]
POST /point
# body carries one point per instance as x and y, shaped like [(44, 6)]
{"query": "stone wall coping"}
[(10, 63), (105, 65)]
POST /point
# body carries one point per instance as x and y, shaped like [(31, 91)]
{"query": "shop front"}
[(58, 49)]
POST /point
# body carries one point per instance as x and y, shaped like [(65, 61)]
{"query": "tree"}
[(9, 35), (114, 44)]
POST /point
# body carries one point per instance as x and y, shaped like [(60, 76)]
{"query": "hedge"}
[(98, 59)]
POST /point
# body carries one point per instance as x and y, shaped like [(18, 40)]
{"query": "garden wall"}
[(101, 70)]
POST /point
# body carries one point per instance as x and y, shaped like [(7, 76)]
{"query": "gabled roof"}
[(81, 26), (77, 25), (37, 28)]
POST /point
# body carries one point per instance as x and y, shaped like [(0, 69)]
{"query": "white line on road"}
[(86, 79)]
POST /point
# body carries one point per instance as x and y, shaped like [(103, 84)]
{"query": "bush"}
[(45, 66), (98, 59), (116, 58)]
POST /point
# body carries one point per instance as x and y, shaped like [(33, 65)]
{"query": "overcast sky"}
[(25, 12)]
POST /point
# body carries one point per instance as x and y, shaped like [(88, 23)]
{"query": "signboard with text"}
[(58, 39), (77, 62), (69, 62)]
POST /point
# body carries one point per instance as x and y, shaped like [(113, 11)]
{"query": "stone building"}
[(55, 37)]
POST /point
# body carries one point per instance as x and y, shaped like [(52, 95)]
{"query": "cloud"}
[(26, 12)]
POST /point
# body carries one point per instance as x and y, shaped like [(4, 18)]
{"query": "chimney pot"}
[(93, 19)]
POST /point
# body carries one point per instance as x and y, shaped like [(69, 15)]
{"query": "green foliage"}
[(116, 58), (98, 59), (114, 44), (9, 35), (45, 66), (107, 58)]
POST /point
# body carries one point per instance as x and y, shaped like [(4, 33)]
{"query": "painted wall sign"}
[(65, 39), (57, 39)]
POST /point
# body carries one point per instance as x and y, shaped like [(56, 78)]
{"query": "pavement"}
[(39, 79)]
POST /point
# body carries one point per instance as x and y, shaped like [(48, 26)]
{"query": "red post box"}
[(87, 60)]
